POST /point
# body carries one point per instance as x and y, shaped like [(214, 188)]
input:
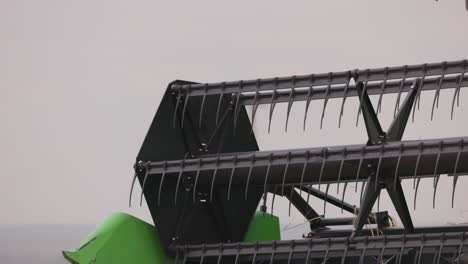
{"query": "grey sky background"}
[(80, 82)]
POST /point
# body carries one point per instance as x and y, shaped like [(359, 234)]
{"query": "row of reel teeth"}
[(327, 86)]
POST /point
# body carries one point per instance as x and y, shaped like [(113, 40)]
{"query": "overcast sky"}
[(80, 82)]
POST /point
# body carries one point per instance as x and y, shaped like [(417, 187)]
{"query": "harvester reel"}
[(203, 175)]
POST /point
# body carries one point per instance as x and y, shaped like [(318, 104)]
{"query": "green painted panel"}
[(123, 239), (264, 227), (120, 239)]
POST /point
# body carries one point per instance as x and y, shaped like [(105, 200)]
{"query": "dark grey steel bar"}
[(332, 78), (330, 199), (314, 156), (325, 233), (339, 221), (453, 242), (302, 94)]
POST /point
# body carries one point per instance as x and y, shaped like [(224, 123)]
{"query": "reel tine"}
[(363, 253), (455, 173), (421, 248), (342, 198), (345, 253), (215, 171), (255, 105), (178, 99), (418, 159), (285, 172), (382, 252), (402, 84), (436, 176), (220, 100), (252, 162), (272, 104), (308, 192), (325, 199), (396, 177), (325, 257), (291, 251), (378, 167), (161, 182), (270, 160), (202, 106), (290, 199), (308, 252), (465, 65), (273, 199), (290, 103), (324, 155), (182, 165), (325, 101), (418, 96), (363, 152), (309, 94), (304, 168), (196, 181), (221, 249), (362, 97), (416, 192), (255, 253), (416, 84), (460, 248), (131, 190), (231, 176), (457, 89), (238, 253), (382, 88), (203, 255), (236, 107), (455, 179), (402, 249), (185, 107), (345, 93), (439, 254), (184, 261), (272, 258), (147, 165), (345, 152), (437, 92), (416, 256), (422, 83)]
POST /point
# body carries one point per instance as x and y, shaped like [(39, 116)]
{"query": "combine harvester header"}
[(203, 176)]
